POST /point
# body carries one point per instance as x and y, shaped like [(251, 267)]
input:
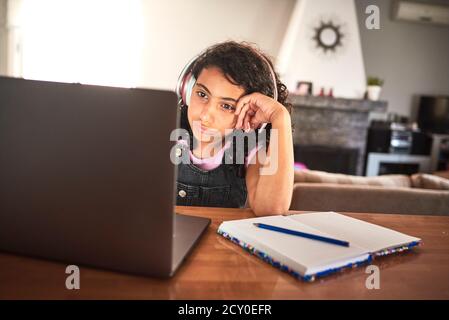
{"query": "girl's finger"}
[(255, 122), (240, 104), (246, 122), (250, 112), (243, 101), (241, 117)]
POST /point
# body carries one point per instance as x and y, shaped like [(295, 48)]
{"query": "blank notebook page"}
[(367, 235), (306, 255)]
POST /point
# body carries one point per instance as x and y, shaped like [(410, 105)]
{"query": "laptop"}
[(86, 177)]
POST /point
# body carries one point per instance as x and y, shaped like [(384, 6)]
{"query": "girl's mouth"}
[(207, 130)]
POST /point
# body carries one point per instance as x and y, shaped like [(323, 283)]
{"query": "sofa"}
[(424, 194)]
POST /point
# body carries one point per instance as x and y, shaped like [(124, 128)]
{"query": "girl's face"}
[(212, 105)]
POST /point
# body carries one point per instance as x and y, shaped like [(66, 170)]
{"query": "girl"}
[(231, 87)]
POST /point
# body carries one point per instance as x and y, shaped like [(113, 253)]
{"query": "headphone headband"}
[(273, 76)]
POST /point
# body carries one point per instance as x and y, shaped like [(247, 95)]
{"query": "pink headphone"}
[(186, 82)]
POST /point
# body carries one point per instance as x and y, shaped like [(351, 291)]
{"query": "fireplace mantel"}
[(333, 122), (355, 105)]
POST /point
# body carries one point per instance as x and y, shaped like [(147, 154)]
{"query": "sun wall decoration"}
[(328, 37)]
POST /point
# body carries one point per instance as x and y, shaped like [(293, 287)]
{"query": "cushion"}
[(429, 181), (444, 174), (390, 180)]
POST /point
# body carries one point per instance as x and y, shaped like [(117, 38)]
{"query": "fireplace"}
[(330, 132), (326, 158)]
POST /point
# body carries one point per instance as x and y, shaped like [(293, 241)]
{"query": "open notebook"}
[(309, 259)]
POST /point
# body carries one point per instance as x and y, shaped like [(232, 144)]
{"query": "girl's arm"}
[(271, 194)]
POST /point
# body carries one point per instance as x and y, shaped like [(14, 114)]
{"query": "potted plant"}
[(374, 86)]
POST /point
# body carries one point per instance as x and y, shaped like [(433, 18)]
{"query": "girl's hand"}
[(254, 109)]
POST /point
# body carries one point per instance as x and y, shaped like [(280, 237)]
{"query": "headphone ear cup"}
[(182, 87), (188, 89), (184, 82)]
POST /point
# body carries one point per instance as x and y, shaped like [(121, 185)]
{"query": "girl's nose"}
[(206, 113)]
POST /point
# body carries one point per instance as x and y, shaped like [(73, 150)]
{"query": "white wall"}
[(14, 38), (3, 37), (301, 60), (413, 58), (177, 30), (58, 47)]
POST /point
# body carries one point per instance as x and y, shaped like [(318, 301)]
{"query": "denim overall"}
[(219, 187)]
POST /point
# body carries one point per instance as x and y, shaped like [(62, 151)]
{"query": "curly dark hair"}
[(242, 65)]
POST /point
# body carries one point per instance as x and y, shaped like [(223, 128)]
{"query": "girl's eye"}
[(228, 107), (201, 94)]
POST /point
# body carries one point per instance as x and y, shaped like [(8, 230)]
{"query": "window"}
[(87, 41)]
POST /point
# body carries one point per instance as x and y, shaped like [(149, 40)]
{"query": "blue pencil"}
[(302, 234)]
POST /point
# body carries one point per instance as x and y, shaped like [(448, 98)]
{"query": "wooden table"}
[(219, 269)]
